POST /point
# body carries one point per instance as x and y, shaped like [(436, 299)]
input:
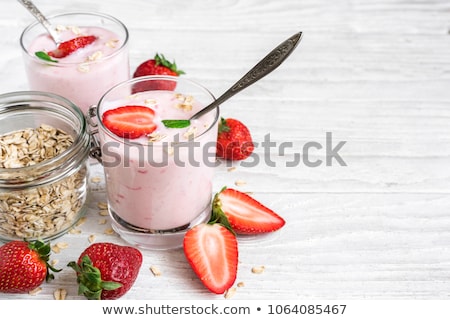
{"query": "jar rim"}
[(21, 98)]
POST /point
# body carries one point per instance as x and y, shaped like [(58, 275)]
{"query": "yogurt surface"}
[(86, 74)]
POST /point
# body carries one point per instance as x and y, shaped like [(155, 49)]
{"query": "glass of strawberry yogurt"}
[(159, 179), (92, 58)]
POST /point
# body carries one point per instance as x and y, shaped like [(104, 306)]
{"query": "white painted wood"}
[(375, 74)]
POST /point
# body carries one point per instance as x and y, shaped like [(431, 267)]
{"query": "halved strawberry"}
[(68, 47), (130, 122), (212, 252), (245, 214)]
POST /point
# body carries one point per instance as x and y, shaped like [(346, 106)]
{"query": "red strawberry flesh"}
[(247, 215), (130, 122), (212, 252), (70, 46)]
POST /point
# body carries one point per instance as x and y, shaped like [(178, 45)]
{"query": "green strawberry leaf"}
[(217, 214), (89, 278), (44, 251), (161, 60), (176, 123), (223, 127), (44, 56)]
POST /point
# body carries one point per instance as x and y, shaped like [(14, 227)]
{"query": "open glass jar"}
[(44, 147)]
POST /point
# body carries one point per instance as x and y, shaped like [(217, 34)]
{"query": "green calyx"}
[(161, 60), (44, 250), (217, 214), (223, 127), (89, 278)]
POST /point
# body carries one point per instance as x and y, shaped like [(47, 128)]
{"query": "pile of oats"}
[(45, 210), (185, 102)]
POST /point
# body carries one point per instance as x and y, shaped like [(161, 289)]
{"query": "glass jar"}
[(44, 147)]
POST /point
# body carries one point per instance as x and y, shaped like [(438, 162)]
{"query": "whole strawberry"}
[(106, 271), (234, 141), (24, 266), (160, 66)]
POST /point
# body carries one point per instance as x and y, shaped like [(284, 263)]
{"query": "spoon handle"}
[(41, 18), (263, 68)]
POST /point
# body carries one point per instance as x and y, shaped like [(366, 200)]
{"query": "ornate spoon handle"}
[(263, 68), (41, 18)]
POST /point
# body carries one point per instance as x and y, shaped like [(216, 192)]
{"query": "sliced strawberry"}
[(130, 122), (68, 47), (212, 252), (245, 214)]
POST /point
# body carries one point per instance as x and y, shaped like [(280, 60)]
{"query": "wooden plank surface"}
[(375, 74)]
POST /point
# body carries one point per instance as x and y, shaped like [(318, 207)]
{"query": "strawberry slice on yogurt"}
[(70, 46), (130, 122)]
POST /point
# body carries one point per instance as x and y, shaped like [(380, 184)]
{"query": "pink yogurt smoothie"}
[(83, 76), (152, 184)]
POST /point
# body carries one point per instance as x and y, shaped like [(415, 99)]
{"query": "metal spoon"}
[(42, 20), (263, 68)]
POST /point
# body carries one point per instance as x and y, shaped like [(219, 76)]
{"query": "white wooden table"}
[(374, 74)]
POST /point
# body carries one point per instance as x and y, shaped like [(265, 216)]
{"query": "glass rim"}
[(154, 77), (70, 106), (72, 13)]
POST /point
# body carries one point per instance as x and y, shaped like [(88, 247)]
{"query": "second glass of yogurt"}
[(83, 76), (160, 184)]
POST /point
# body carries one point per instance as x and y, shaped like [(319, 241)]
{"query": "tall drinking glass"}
[(159, 185), (84, 75)]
